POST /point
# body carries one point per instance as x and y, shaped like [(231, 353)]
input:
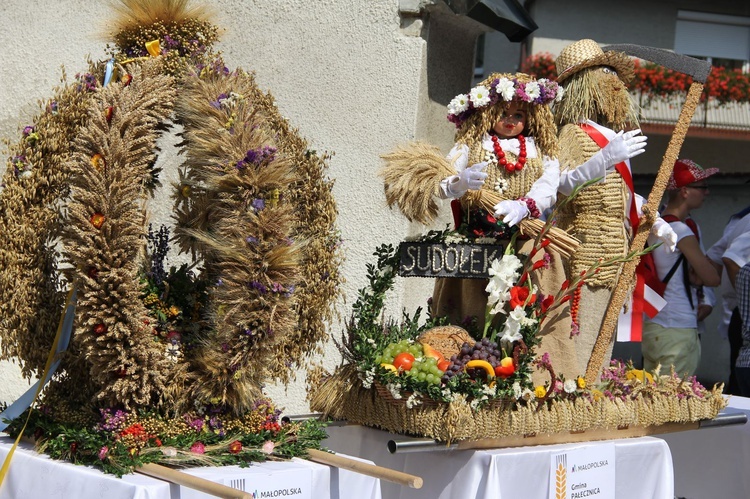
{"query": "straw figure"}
[(595, 110), (501, 172)]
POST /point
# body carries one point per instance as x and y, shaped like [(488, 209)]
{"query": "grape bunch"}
[(426, 369), (483, 349), (393, 349)]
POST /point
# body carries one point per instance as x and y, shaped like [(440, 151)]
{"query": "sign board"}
[(435, 259)]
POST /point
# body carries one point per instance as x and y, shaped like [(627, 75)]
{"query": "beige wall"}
[(352, 76)]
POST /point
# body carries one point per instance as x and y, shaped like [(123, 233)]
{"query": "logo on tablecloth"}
[(287, 492), (561, 476), (584, 472)]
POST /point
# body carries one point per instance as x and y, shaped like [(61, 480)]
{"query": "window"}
[(722, 40)]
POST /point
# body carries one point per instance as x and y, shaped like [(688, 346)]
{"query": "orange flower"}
[(519, 297), (97, 220), (235, 447)]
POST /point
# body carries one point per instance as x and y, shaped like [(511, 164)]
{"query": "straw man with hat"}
[(671, 337), (592, 117)]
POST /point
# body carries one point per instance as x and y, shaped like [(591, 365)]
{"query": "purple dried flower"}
[(258, 204)]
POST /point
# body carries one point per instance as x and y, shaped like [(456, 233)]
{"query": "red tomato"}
[(506, 368), (403, 361)]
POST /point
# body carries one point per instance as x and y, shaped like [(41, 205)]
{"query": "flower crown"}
[(542, 91)]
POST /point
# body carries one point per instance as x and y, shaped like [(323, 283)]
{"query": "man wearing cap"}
[(594, 111), (671, 337)]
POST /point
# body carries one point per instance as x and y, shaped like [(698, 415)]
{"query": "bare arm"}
[(701, 265)]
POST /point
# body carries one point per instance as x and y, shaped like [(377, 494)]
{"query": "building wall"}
[(356, 78)]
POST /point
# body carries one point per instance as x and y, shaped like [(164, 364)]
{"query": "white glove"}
[(512, 211), (624, 145), (471, 178), (664, 233)]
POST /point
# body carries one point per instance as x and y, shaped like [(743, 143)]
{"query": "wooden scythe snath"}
[(699, 71)]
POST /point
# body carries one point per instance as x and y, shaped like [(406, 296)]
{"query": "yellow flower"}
[(174, 311), (597, 395), (640, 375), (540, 391), (581, 382)]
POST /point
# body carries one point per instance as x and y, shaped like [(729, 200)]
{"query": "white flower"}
[(395, 390), (454, 239), (488, 390), (532, 90), (367, 378), (413, 400), (512, 328), (528, 395), (505, 88), (516, 390), (528, 321), (485, 240), (25, 174), (169, 451), (172, 352), (268, 447), (479, 96), (506, 268), (459, 104), (560, 92), (570, 385)]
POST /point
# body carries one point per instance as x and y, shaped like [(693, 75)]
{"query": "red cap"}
[(686, 172)]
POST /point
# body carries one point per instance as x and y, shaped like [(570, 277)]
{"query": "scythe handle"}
[(620, 294)]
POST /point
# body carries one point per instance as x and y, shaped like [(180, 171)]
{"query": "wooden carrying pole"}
[(699, 70), (346, 463), (201, 484)]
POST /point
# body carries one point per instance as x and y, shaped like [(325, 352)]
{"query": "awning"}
[(505, 16)]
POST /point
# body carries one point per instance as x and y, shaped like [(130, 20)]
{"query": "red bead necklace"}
[(510, 167)]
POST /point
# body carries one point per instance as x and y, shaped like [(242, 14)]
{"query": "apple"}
[(429, 351), (506, 368), (403, 361)]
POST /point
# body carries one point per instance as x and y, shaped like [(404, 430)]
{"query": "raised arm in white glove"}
[(512, 211), (664, 233), (624, 145), (471, 178)]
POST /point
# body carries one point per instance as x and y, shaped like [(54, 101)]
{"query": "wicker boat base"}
[(342, 397)]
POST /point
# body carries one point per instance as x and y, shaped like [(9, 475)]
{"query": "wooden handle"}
[(372, 470), (627, 275), (194, 482)]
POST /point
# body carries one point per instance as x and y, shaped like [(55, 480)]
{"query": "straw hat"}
[(587, 53)]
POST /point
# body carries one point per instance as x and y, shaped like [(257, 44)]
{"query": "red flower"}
[(547, 302), (519, 296), (235, 447)]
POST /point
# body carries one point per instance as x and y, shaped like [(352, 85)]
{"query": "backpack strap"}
[(681, 260)]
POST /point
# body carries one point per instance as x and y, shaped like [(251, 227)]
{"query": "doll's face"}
[(512, 121)]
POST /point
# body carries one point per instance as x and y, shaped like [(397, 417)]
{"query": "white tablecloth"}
[(643, 467), (713, 462), (35, 476)]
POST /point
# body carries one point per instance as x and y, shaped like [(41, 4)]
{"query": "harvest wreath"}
[(192, 343), (442, 382)]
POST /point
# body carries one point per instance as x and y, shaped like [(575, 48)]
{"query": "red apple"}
[(506, 368)]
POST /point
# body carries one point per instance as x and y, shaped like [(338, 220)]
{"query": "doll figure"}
[(506, 134), (592, 115)]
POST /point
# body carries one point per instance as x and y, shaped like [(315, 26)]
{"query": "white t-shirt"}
[(677, 313)]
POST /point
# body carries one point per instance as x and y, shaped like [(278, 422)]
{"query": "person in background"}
[(671, 337), (742, 367), (730, 325)]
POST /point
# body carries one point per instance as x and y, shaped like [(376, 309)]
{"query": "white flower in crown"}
[(506, 269), (559, 94), (505, 89), (459, 104), (512, 329), (479, 96), (532, 90)]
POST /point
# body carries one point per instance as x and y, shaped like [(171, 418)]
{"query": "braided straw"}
[(625, 282), (342, 396)]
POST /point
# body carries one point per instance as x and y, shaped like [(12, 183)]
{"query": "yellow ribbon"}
[(47, 366)]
